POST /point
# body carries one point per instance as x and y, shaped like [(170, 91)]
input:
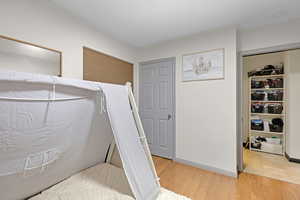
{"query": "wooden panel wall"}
[(104, 68)]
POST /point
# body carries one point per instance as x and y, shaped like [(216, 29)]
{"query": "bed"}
[(51, 129)]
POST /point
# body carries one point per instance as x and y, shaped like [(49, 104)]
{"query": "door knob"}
[(169, 116)]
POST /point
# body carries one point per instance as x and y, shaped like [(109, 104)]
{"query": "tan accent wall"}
[(104, 68)]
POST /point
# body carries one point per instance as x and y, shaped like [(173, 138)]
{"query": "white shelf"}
[(254, 149), (266, 89), (266, 132), (268, 114), (268, 76), (267, 101)]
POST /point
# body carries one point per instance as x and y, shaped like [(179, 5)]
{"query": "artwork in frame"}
[(208, 65)]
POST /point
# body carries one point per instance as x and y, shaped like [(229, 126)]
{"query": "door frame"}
[(240, 70), (173, 60)]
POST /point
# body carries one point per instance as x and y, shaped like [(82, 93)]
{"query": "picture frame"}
[(205, 65), (23, 56)]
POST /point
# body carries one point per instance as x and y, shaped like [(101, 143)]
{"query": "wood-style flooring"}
[(272, 166), (199, 184)]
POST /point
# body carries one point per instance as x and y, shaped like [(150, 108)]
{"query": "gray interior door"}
[(156, 105)]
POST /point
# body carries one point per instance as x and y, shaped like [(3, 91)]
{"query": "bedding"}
[(52, 128), (101, 182), (48, 133)]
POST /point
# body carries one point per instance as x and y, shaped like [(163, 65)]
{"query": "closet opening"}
[(269, 110)]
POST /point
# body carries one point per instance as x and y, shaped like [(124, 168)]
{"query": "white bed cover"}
[(101, 182), (43, 142)]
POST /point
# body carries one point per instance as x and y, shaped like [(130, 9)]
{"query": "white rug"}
[(168, 195), (102, 182)]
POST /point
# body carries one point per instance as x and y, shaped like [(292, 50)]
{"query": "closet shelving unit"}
[(268, 116)]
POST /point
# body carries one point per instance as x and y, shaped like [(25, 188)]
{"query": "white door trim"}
[(241, 54)]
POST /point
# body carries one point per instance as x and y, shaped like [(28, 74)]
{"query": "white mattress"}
[(101, 182)]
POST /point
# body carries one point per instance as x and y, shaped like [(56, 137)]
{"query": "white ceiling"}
[(146, 22)]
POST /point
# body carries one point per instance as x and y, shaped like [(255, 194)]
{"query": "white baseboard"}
[(208, 168)]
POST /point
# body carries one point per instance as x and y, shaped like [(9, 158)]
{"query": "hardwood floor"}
[(272, 166), (199, 184)]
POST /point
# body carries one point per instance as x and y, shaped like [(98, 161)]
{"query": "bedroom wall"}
[(205, 110), (269, 36), (42, 23), (292, 61)]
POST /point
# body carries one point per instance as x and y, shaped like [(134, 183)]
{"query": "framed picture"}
[(208, 65)]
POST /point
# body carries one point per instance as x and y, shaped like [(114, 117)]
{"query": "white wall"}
[(42, 23), (205, 110), (269, 36), (293, 107)]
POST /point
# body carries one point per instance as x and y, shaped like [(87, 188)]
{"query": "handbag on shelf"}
[(257, 124), (275, 108), (268, 70), (278, 83), (275, 83), (257, 84), (258, 96), (276, 125), (279, 69), (257, 108), (275, 96)]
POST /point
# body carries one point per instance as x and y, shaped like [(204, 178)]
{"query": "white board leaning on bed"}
[(52, 128)]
